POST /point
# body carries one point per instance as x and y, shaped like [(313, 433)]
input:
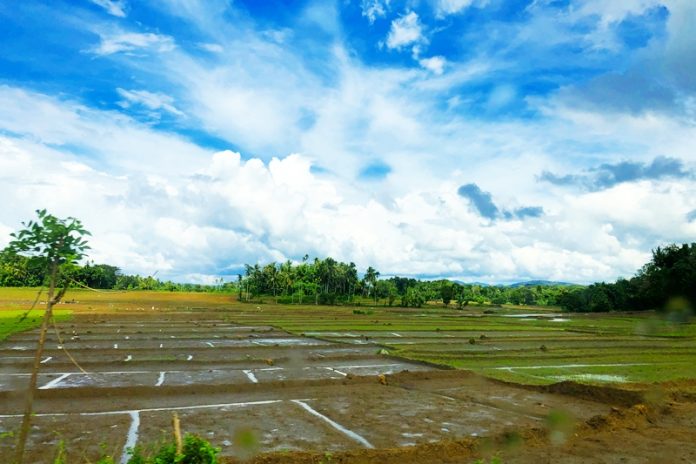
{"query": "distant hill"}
[(461, 282), (528, 283), (534, 283)]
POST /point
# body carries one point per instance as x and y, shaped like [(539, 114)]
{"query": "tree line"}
[(22, 271), (327, 281), (319, 281), (670, 273), (669, 277)]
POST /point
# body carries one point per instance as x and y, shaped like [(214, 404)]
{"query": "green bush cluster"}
[(195, 450)]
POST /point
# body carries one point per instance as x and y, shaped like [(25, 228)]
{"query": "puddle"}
[(132, 438), (592, 378), (287, 341)]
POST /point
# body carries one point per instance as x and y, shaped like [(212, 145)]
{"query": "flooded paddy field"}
[(293, 392), (301, 382)]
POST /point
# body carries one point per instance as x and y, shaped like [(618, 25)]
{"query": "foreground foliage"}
[(54, 245), (195, 450)]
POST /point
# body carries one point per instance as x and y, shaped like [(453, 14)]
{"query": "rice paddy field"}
[(358, 384), (524, 345)]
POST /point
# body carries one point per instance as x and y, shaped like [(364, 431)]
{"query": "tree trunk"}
[(28, 408)]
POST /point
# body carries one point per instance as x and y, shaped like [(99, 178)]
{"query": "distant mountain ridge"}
[(534, 283), (527, 283)]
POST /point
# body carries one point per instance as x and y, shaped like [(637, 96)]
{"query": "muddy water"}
[(285, 392)]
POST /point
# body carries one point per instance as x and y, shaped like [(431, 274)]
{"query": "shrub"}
[(195, 450)]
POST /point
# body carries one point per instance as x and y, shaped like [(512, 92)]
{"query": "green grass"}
[(10, 320)]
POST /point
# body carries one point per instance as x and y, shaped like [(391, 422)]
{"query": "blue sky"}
[(489, 140)]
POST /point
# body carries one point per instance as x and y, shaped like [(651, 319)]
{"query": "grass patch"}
[(10, 320)]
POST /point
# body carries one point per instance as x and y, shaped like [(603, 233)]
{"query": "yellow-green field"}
[(525, 345)]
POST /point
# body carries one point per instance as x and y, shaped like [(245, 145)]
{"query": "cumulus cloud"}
[(436, 64), (608, 175), (150, 100), (331, 109), (260, 211), (128, 42), (374, 9), (448, 7), (113, 7), (405, 30)]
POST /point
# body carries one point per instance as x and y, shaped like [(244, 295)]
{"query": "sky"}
[(478, 140)]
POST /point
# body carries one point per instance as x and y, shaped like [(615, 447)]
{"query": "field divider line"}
[(25, 374), (371, 366), (336, 371), (128, 411), (566, 366), (55, 382), (250, 375), (527, 374), (336, 425), (132, 437)]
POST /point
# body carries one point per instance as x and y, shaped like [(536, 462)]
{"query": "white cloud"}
[(405, 30), (447, 7), (435, 64), (105, 138), (153, 101), (612, 12), (162, 191), (5, 238), (256, 210), (212, 47), (126, 42), (113, 7), (374, 9)]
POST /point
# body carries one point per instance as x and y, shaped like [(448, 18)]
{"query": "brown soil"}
[(628, 435), (411, 412)]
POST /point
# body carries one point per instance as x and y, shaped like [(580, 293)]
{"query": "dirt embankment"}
[(633, 434), (664, 430)]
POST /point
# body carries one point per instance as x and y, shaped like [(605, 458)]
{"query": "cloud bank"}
[(553, 140)]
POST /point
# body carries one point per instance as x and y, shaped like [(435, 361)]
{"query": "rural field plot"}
[(286, 391), (540, 347)]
